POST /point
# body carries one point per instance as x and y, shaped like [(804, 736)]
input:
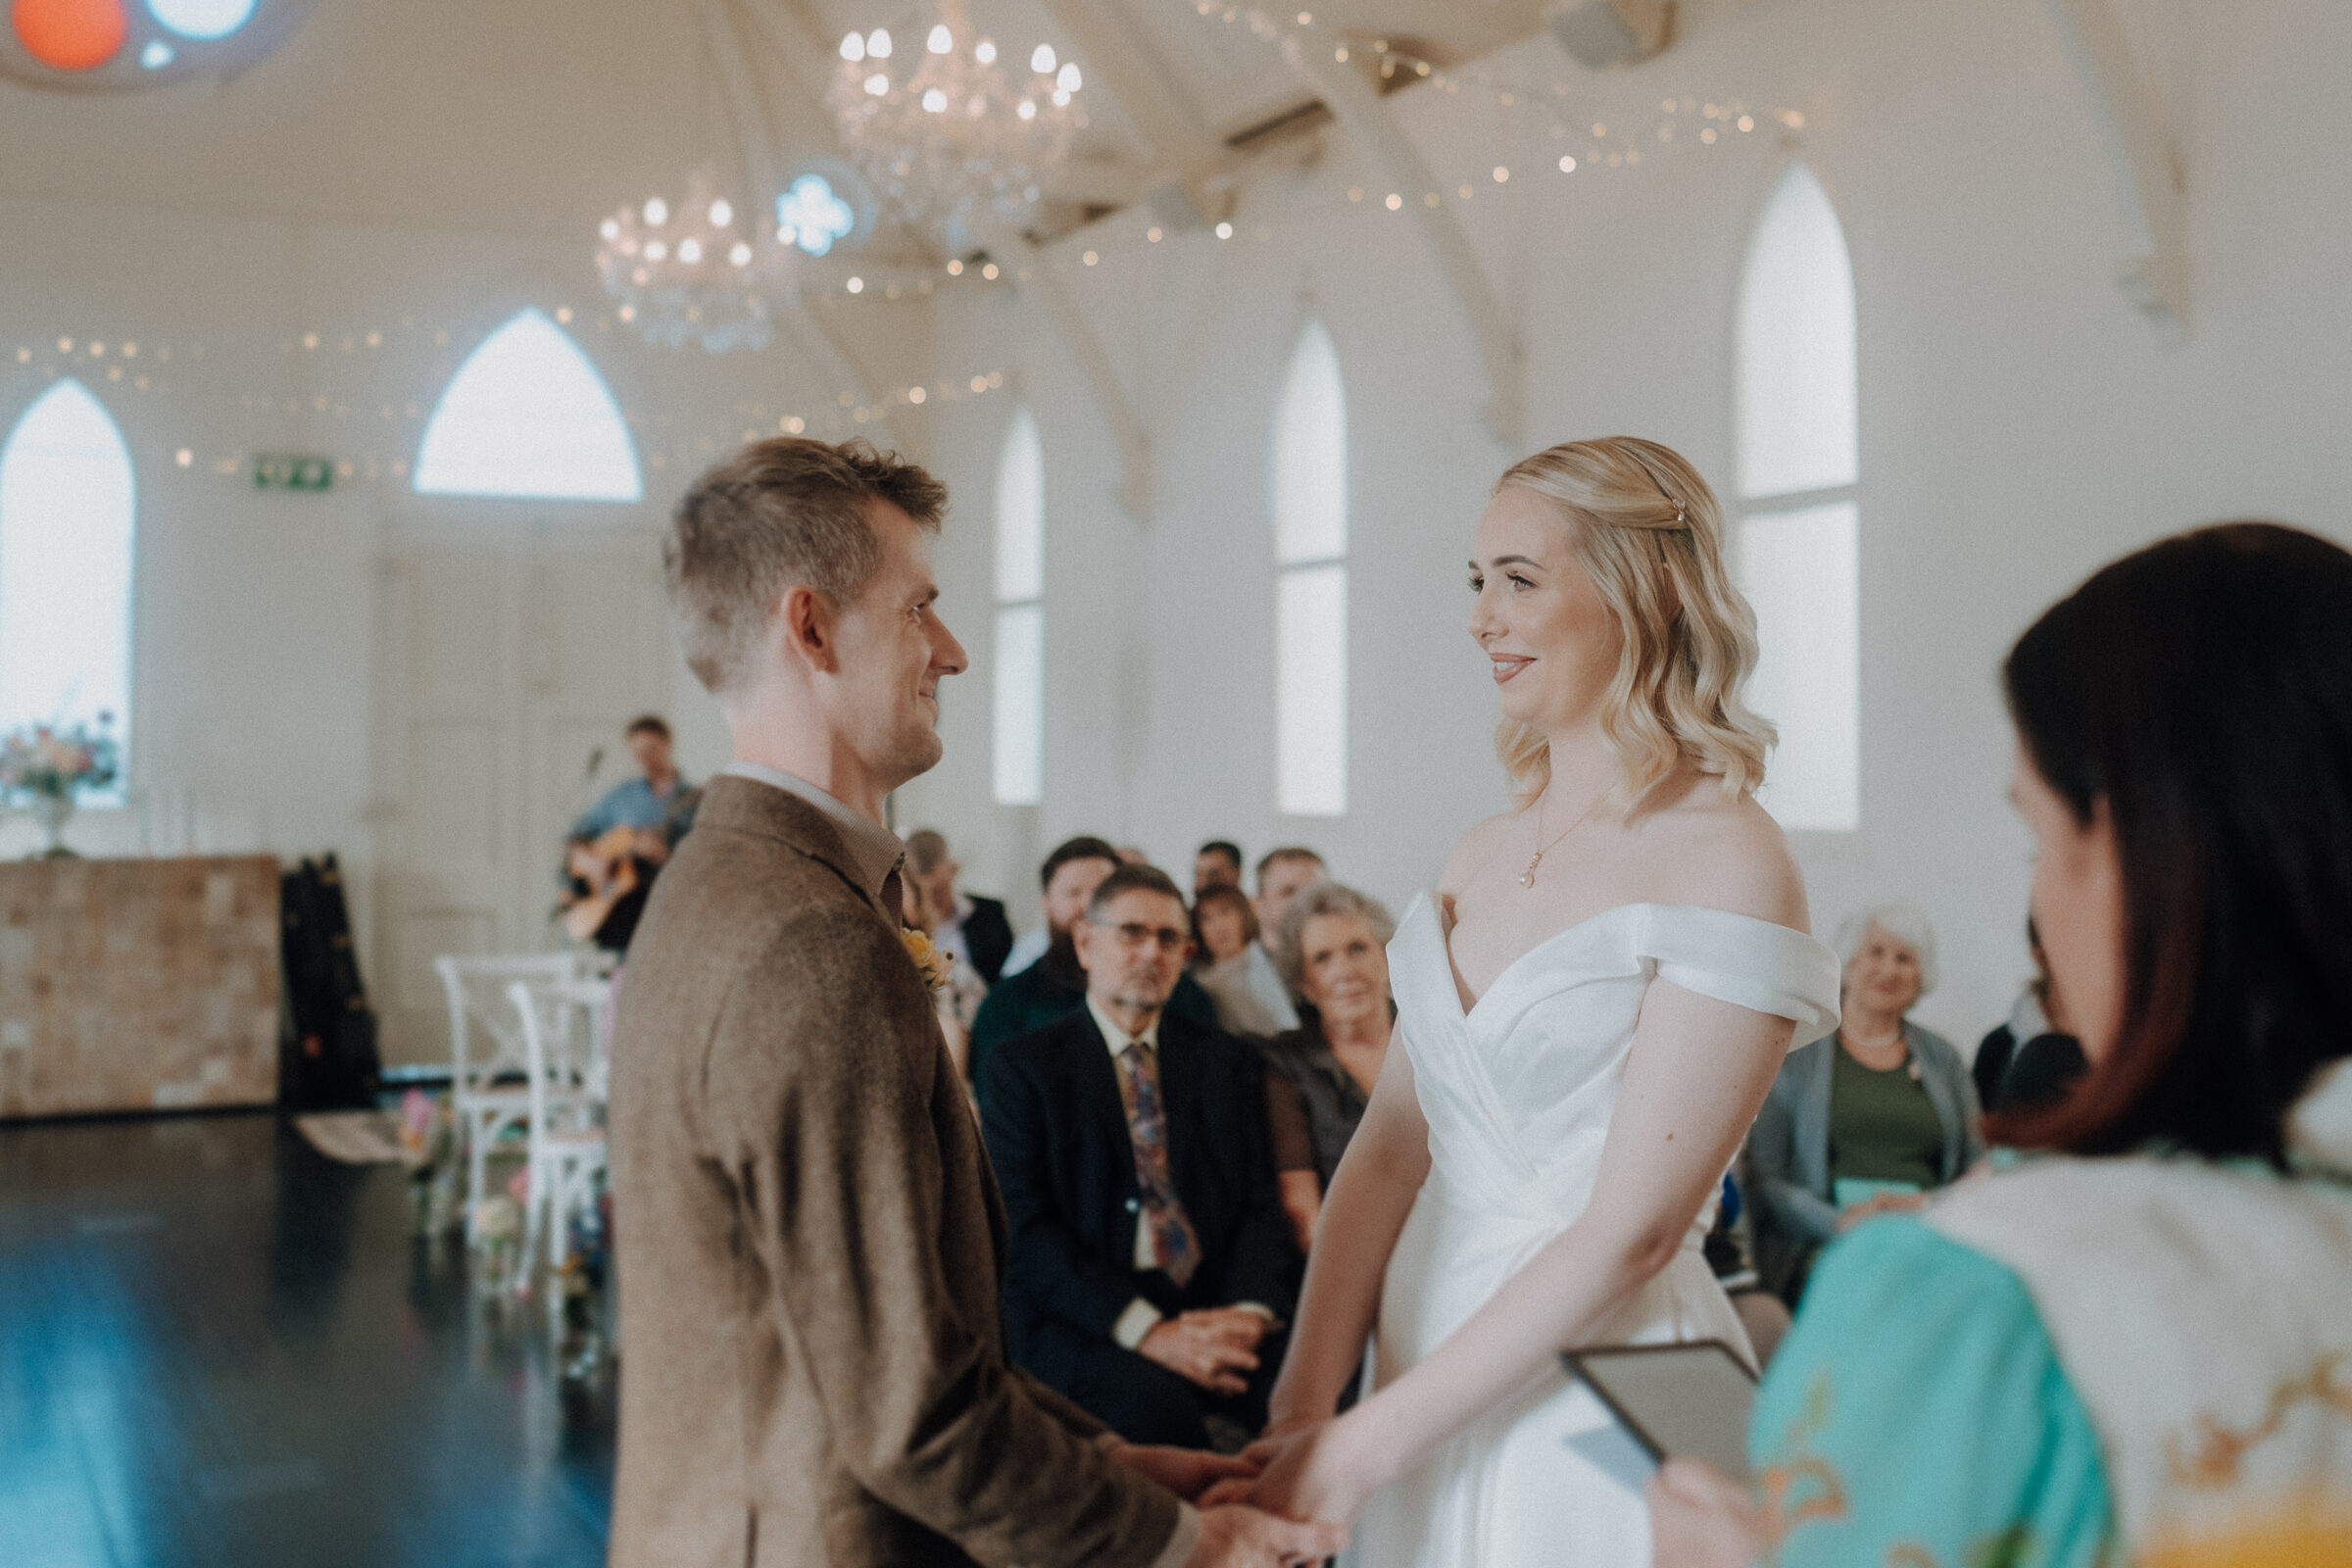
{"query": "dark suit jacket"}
[(989, 935), (1056, 1133), (810, 1244)]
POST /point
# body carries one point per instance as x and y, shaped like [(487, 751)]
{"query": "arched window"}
[(1310, 582), (69, 506), (1020, 649), (526, 415), (1799, 461)]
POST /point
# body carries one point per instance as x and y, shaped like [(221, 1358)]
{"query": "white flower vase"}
[(53, 813)]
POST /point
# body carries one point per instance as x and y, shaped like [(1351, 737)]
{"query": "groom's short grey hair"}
[(779, 513)]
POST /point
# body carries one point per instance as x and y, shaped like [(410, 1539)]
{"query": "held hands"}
[(1318, 1472), (1187, 1472), (1214, 1347), (1242, 1538)]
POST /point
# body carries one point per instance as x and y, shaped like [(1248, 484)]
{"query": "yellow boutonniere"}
[(932, 964)]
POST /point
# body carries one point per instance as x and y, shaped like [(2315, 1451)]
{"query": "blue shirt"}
[(635, 805)]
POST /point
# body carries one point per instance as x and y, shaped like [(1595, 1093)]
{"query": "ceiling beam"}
[(2141, 156), (1363, 116), (1111, 52), (1035, 268)]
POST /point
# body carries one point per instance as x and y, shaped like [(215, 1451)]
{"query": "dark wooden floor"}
[(218, 1347)]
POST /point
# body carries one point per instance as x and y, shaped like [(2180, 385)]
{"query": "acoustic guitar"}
[(606, 867)]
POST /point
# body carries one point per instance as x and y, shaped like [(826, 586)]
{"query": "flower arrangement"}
[(932, 964), (58, 763), (47, 767)]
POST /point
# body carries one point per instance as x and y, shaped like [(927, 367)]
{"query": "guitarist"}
[(615, 850)]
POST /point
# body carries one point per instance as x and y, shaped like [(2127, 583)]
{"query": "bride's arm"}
[(1698, 1072), (1371, 1193)]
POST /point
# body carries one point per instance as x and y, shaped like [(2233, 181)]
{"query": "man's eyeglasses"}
[(1136, 934)]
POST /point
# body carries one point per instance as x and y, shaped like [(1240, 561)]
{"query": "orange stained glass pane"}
[(72, 34)]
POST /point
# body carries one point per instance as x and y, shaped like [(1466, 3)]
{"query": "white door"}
[(510, 656)]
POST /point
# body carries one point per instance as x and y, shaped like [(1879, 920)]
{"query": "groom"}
[(810, 1236)]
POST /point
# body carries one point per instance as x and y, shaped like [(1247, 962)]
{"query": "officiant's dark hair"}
[(2200, 692), (780, 512)]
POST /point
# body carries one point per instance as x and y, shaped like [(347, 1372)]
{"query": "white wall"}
[(258, 657), (2020, 423)]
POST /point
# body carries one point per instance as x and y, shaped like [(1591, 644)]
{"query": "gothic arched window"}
[(527, 417), (1020, 644), (1798, 548), (69, 506), (1310, 581)]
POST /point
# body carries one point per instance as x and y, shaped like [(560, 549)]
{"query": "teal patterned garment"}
[(1917, 1417)]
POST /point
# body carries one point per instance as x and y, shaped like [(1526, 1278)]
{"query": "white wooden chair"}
[(563, 1028), (485, 1045)]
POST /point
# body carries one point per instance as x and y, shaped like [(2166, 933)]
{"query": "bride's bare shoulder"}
[(1726, 854), (1474, 850)]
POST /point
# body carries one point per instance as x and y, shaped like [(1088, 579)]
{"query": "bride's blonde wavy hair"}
[(1649, 533)]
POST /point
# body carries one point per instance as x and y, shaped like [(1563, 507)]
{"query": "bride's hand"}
[(1317, 1473), (1279, 1430)]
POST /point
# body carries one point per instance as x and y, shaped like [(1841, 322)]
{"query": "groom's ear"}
[(808, 624)]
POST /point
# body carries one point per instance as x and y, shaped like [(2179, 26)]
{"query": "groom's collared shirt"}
[(875, 848)]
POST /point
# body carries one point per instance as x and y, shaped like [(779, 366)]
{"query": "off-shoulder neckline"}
[(1443, 929)]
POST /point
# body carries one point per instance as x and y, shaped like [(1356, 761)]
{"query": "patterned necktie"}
[(1173, 1242)]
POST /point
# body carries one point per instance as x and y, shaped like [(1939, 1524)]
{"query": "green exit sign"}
[(292, 473)]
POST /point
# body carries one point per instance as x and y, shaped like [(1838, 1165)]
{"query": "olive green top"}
[(1882, 1127)]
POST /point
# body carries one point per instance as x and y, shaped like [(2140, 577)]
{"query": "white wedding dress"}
[(1518, 1094)]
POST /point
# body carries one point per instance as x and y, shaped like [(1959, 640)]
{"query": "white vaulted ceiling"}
[(531, 116)]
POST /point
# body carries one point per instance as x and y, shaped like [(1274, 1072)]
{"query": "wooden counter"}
[(137, 985)]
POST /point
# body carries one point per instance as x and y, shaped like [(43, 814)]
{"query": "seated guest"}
[(1233, 968), (1071, 897), (1218, 865), (2030, 1059), (969, 928), (2133, 1349), (1868, 1120), (1282, 874), (1334, 951), (1023, 1000), (1148, 1268)]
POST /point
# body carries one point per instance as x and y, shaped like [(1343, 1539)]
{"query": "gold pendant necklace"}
[(1527, 879)]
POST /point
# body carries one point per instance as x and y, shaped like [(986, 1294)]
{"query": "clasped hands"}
[(1318, 1470), (1232, 1535)]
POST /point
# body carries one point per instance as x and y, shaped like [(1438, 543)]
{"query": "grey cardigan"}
[(1788, 1152)]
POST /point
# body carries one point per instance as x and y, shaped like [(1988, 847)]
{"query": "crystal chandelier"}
[(699, 272), (951, 138)]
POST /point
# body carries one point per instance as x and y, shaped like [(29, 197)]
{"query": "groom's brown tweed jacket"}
[(809, 1240)]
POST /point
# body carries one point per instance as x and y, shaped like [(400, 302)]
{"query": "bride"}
[(1592, 1010)]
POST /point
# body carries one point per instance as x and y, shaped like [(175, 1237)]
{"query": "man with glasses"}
[(1149, 1268)]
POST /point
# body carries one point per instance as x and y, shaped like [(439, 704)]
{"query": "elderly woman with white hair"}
[(1865, 1121)]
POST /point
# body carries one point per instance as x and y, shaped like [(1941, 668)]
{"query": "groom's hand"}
[(1187, 1472), (1244, 1538)]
